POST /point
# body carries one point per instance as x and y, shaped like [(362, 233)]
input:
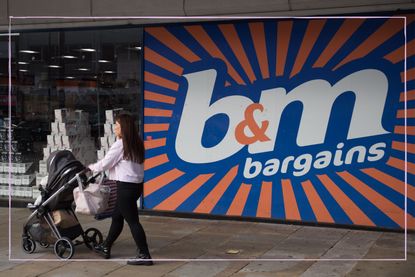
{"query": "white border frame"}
[(216, 18)]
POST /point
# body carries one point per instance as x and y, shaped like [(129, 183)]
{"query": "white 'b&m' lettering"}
[(316, 96)]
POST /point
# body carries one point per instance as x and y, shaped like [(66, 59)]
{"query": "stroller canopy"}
[(62, 167)]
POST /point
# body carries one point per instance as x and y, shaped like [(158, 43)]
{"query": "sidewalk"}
[(208, 241)]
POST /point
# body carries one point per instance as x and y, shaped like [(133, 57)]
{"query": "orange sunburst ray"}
[(400, 146), (347, 29), (209, 45), (382, 203), (410, 130), (399, 54), (258, 37), (410, 96), (157, 59), (356, 215), (390, 181), (310, 37), (317, 205), (161, 180), (231, 36), (400, 164), (209, 202), (410, 75), (391, 27), (155, 161), (290, 202), (176, 199), (160, 81), (265, 200), (157, 112), (156, 127), (239, 201), (410, 113), (154, 143), (158, 97), (283, 42), (165, 37)]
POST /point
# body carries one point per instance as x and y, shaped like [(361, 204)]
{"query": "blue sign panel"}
[(296, 120)]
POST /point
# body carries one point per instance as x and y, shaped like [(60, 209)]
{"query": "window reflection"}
[(90, 70)]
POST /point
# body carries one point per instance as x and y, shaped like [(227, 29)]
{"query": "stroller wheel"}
[(44, 244), (29, 245), (64, 248), (92, 237)]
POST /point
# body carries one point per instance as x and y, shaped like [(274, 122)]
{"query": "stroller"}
[(53, 220)]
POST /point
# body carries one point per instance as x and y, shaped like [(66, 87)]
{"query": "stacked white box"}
[(4, 178), (20, 176), (54, 128), (4, 190), (111, 114), (17, 175), (61, 115), (35, 192), (70, 131), (109, 137)]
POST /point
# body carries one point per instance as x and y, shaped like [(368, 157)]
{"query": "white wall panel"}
[(177, 8), (50, 7), (137, 7), (46, 8), (4, 17), (325, 4), (229, 7)]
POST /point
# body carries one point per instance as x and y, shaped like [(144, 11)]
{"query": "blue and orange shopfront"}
[(306, 120)]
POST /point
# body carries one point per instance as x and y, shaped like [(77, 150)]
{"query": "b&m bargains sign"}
[(244, 131), (294, 120)]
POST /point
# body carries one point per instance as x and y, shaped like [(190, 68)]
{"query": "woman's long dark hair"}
[(132, 142)]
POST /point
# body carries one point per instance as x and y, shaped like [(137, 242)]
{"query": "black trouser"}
[(126, 208)]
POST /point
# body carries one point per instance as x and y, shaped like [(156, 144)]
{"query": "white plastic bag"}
[(91, 200)]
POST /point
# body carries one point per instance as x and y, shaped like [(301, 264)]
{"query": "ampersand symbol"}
[(258, 133)]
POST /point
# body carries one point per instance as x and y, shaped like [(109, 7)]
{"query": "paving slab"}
[(358, 239), (278, 268), (245, 249), (209, 269), (83, 269), (319, 233), (194, 241), (354, 245), (298, 248), (33, 268), (4, 261), (411, 242), (179, 250), (157, 270), (329, 269), (385, 268)]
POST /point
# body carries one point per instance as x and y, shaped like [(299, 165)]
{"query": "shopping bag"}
[(111, 201), (91, 200)]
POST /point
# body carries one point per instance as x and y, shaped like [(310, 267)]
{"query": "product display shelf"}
[(70, 131), (20, 173), (109, 137)]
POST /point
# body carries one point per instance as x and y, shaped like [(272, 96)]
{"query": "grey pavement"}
[(204, 247)]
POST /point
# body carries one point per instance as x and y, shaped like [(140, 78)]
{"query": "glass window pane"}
[(92, 70)]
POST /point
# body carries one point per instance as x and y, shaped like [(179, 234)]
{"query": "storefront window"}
[(89, 70)]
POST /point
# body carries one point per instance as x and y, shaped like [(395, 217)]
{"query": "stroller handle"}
[(90, 178)]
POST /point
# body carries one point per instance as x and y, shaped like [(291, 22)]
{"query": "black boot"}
[(141, 259), (103, 249)]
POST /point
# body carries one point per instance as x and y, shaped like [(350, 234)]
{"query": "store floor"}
[(201, 247)]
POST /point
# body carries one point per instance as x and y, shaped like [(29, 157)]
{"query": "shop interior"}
[(92, 70)]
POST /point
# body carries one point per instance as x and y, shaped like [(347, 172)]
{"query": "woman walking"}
[(125, 160)]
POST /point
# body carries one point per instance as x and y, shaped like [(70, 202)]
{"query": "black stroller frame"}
[(63, 246)]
